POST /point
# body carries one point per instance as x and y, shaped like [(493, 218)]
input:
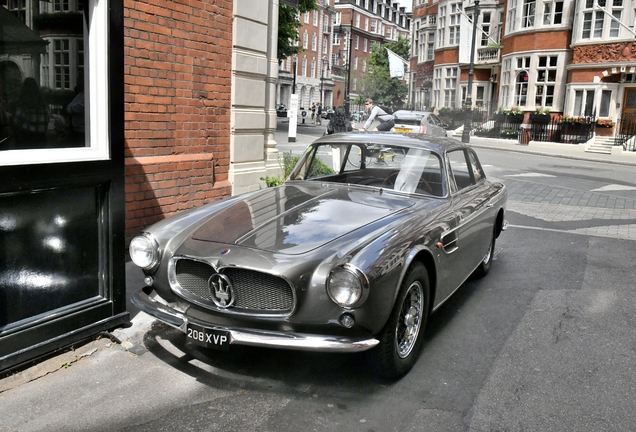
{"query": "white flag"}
[(396, 65)]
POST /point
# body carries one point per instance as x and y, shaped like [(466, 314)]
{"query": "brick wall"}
[(177, 82)]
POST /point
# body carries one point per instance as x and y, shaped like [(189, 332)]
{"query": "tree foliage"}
[(377, 82), (288, 25)]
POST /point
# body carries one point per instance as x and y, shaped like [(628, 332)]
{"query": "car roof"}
[(437, 144)]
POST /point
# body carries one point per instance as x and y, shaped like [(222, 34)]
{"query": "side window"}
[(478, 173), (459, 169), (434, 120)]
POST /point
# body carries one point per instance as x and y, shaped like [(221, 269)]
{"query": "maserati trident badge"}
[(221, 290)]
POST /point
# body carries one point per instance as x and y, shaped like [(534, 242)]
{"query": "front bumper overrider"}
[(143, 300)]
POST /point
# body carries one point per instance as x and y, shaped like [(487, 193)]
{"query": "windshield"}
[(403, 169)]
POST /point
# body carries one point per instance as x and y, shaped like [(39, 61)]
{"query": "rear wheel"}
[(486, 263), (401, 338)]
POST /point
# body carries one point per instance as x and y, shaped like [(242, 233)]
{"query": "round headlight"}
[(144, 251), (345, 286)]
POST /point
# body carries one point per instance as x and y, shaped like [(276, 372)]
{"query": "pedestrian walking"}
[(319, 113)]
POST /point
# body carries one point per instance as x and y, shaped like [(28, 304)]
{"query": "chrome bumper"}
[(242, 336)]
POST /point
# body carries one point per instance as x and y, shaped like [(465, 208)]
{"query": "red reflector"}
[(422, 128)]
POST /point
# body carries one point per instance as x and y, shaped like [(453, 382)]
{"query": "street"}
[(545, 342)]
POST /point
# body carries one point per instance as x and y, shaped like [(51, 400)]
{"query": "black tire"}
[(486, 263), (401, 338)]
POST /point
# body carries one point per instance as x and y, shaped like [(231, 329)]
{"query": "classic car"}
[(423, 122), (369, 235)]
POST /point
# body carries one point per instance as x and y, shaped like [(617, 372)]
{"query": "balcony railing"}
[(488, 54)]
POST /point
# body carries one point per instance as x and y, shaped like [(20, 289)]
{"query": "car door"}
[(466, 242)]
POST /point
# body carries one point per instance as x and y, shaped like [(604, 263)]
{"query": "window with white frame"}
[(521, 89), (306, 17), (314, 42), (485, 29), (62, 64), (366, 23), (599, 25), (364, 65), (546, 81), (552, 12), (430, 47), (528, 14), (335, 38), (450, 87), (441, 27), (583, 103), (374, 24), (355, 63), (357, 42), (336, 18), (512, 15), (505, 82), (454, 23), (358, 20), (437, 85), (364, 44), (304, 67), (604, 107), (325, 45), (389, 33), (313, 68), (305, 40), (315, 18), (61, 5)]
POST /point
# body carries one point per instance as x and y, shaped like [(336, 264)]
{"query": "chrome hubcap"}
[(409, 321), (488, 254)]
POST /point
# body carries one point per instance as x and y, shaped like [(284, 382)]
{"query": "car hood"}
[(297, 218)]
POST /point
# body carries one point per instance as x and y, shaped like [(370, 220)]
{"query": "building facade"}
[(573, 58), (342, 32)]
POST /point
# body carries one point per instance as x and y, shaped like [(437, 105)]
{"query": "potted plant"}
[(541, 115), (604, 123), (509, 134), (515, 115)]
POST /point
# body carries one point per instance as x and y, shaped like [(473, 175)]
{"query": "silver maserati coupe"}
[(369, 235)]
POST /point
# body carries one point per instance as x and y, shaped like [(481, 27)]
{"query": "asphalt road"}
[(545, 342)]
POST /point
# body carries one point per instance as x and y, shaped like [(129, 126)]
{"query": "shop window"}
[(55, 103)]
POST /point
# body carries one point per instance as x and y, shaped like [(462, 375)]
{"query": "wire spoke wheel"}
[(408, 324), (401, 337)]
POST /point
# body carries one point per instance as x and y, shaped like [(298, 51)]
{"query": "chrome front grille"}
[(254, 291)]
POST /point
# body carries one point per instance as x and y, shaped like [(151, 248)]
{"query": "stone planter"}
[(540, 118)]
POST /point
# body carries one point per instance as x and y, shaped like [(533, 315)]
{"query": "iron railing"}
[(626, 133)]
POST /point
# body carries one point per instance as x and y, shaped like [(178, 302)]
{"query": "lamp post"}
[(322, 77), (471, 70)]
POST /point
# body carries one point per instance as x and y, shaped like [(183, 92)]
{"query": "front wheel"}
[(401, 338)]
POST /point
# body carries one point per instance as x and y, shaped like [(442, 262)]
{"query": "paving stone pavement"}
[(588, 210)]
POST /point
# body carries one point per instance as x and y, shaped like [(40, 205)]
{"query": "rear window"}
[(409, 119)]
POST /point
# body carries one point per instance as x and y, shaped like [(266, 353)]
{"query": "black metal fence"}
[(626, 133), (563, 130)]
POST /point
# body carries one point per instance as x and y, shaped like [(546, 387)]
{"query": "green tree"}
[(288, 25), (377, 82)]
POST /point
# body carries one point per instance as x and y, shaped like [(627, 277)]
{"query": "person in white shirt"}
[(387, 121)]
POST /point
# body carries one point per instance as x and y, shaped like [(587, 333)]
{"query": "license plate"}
[(402, 130), (217, 339)]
